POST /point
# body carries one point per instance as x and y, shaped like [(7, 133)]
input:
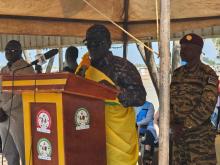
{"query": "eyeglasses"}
[(11, 50), (93, 44)]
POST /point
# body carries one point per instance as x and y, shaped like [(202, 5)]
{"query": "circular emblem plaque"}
[(44, 149), (82, 119), (43, 120)]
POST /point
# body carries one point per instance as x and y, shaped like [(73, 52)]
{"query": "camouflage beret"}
[(192, 39)]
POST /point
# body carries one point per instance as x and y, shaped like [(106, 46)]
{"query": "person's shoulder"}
[(178, 70), (148, 103), (210, 74), (208, 70), (66, 69), (4, 68), (22, 61), (123, 63), (120, 59)]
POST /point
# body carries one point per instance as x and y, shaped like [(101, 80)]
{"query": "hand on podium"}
[(106, 83)]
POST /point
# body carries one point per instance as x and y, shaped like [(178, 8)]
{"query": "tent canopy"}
[(73, 17)]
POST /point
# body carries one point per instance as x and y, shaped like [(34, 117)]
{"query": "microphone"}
[(42, 58)]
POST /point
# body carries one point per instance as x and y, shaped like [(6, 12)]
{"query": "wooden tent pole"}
[(164, 96), (60, 55), (125, 26), (175, 55)]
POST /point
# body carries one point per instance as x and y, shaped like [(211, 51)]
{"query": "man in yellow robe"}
[(101, 66)]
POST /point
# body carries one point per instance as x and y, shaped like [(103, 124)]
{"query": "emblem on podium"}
[(43, 120), (44, 149), (82, 119)]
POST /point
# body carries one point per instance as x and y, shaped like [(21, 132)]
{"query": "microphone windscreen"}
[(50, 53)]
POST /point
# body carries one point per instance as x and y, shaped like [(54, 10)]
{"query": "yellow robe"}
[(121, 134)]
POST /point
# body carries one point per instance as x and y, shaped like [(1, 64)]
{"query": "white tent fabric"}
[(73, 17)]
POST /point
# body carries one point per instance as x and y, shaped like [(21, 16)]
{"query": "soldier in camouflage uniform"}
[(193, 98)]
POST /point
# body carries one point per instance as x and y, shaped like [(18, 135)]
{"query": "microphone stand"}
[(9, 116)]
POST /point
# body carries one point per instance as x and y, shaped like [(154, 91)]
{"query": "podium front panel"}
[(84, 130), (44, 134)]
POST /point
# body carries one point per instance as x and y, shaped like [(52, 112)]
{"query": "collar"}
[(16, 64), (103, 61), (194, 68)]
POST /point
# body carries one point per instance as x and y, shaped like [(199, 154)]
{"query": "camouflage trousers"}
[(195, 148)]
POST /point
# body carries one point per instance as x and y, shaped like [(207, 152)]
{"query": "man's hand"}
[(3, 115), (106, 83)]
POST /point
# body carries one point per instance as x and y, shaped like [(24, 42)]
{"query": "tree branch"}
[(149, 60)]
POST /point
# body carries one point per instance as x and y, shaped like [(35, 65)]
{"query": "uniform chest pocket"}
[(194, 84), (194, 80)]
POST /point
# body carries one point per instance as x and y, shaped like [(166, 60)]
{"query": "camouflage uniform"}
[(193, 98), (125, 75)]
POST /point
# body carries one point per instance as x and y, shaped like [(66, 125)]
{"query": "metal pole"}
[(164, 96)]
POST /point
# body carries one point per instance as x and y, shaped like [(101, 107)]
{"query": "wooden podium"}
[(64, 118)]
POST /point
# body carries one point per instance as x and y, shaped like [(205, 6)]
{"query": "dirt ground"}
[(4, 161), (217, 146)]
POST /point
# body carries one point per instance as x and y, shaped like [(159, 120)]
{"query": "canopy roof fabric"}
[(41, 42), (73, 17)]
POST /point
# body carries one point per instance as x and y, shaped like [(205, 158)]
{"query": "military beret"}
[(192, 39)]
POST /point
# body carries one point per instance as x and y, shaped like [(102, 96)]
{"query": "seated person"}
[(71, 56), (145, 123), (156, 122)]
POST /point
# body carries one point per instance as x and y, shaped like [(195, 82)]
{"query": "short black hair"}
[(73, 51), (98, 30), (13, 44)]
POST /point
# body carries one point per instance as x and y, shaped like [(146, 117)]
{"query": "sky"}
[(133, 55)]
